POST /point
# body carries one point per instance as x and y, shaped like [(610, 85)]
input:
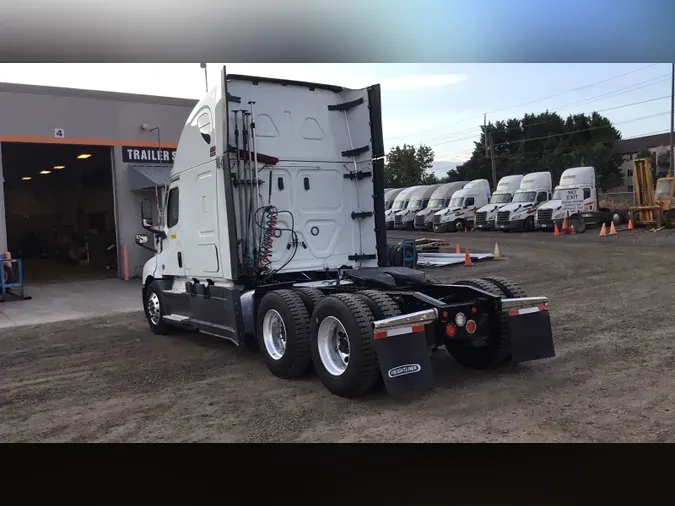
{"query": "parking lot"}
[(110, 379)]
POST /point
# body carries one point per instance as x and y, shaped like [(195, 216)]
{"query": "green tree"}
[(547, 141), (408, 166)]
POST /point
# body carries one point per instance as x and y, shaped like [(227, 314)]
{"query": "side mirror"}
[(146, 212), (141, 239)]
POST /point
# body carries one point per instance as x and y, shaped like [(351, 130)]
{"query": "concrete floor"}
[(55, 302)]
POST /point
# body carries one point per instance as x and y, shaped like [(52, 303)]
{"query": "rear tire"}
[(510, 288), (380, 304), (153, 306), (342, 345), (310, 296), (497, 350), (282, 331)]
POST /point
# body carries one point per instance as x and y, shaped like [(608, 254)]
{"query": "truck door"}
[(171, 260), (590, 201)]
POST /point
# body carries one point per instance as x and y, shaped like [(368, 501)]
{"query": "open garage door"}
[(59, 208)]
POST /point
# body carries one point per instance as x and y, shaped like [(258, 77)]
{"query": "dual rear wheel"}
[(302, 327)]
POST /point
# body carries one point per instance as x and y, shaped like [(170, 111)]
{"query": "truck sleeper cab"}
[(400, 204), (575, 198), (390, 197), (461, 210), (419, 200), (486, 215), (440, 199), (534, 190), (285, 255)]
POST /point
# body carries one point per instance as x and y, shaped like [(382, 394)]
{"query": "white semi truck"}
[(461, 210), (534, 190), (575, 198), (400, 203), (506, 188), (274, 233), (390, 196), (419, 200), (424, 220)]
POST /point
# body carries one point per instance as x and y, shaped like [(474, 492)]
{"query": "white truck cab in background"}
[(390, 197), (535, 189), (461, 210), (574, 198), (400, 203), (419, 200), (424, 220), (506, 188)]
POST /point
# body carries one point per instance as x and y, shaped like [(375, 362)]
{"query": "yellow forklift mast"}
[(653, 205)]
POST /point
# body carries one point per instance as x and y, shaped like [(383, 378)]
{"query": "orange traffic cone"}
[(556, 232), (572, 232), (467, 259), (603, 231), (612, 229), (565, 226), (457, 250), (630, 224)]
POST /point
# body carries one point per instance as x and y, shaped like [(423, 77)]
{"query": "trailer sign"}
[(572, 200)]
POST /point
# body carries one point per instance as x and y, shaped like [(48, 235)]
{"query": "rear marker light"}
[(471, 326), (451, 330), (474, 310)]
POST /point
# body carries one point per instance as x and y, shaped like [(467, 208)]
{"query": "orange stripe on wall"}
[(85, 141)]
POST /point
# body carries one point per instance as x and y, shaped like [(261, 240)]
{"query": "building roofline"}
[(95, 94)]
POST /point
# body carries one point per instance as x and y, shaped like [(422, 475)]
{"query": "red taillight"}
[(450, 329), (474, 310), (471, 326)]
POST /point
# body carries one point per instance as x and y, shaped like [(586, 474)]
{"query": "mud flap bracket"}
[(405, 360)]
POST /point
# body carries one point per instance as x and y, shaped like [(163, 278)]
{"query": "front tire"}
[(282, 331), (342, 345), (154, 310)]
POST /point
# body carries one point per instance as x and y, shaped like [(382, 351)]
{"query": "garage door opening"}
[(59, 208)]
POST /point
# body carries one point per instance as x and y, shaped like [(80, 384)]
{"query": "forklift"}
[(654, 203)]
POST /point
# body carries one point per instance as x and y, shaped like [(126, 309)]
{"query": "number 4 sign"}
[(59, 133)]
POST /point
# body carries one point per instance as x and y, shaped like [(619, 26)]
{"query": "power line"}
[(547, 121), (587, 101), (532, 101)]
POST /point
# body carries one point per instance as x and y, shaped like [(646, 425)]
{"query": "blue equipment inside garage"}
[(11, 281)]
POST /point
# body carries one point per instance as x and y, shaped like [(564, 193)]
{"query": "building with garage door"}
[(75, 165)]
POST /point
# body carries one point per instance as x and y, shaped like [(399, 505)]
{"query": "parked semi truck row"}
[(519, 214), (506, 188), (461, 210), (259, 245), (440, 199)]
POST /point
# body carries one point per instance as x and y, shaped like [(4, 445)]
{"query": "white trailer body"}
[(461, 210), (506, 188), (535, 189), (424, 219), (419, 200)]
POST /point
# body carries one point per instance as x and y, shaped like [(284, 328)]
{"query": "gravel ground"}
[(111, 380)]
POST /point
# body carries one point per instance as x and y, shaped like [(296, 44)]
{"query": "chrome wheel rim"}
[(274, 334), (334, 346), (154, 310)]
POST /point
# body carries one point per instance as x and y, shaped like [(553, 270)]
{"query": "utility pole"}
[(492, 161), (485, 133), (672, 118), (206, 76)]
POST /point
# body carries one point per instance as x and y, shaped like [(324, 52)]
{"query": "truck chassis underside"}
[(388, 320)]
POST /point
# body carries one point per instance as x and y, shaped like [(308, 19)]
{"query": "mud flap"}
[(405, 362), (531, 335)]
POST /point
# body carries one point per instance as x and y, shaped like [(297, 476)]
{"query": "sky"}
[(440, 105)]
